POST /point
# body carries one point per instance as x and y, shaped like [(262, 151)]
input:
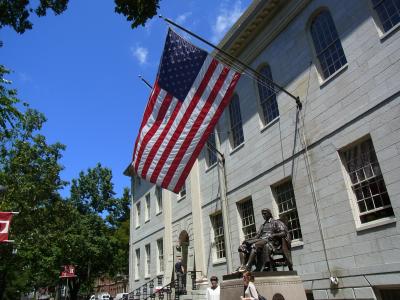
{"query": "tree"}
[(92, 194), (49, 231), (16, 13), (138, 11), (93, 191), (30, 169), (9, 114)]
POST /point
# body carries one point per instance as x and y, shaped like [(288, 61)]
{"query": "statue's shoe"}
[(243, 269)]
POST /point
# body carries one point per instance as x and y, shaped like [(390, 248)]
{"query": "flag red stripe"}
[(211, 125), (160, 139), (185, 118), (195, 127), (147, 113), (163, 110)]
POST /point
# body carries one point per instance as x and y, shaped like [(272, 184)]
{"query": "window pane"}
[(159, 199), (247, 216), (327, 44), (286, 202), (211, 146), (388, 12), (219, 242), (267, 95), (367, 182), (236, 122), (160, 248)]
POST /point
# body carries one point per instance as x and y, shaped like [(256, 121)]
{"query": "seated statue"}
[(272, 238)]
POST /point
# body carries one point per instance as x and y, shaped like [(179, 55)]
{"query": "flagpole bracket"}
[(299, 104)]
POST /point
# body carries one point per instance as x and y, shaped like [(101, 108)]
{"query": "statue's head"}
[(266, 212)]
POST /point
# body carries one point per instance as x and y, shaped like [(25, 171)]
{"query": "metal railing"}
[(153, 289), (147, 289)]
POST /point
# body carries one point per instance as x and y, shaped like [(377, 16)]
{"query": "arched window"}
[(388, 12), (235, 118), (327, 44), (269, 106)]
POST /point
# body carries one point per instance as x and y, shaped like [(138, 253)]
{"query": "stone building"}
[(332, 170)]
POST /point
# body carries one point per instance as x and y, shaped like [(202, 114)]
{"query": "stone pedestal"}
[(285, 285)]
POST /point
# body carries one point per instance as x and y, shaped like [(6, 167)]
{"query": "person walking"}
[(180, 273), (213, 291), (249, 289)]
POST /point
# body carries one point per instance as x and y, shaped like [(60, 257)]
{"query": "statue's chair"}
[(280, 257)]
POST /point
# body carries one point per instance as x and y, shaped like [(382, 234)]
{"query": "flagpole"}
[(297, 99), (145, 81)]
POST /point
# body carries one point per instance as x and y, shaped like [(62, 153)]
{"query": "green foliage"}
[(93, 191), (16, 13), (138, 11), (9, 114), (50, 231)]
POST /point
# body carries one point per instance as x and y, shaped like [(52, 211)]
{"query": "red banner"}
[(68, 272), (5, 220)]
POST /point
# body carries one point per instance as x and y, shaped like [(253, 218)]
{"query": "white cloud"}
[(140, 53), (226, 18), (181, 19)]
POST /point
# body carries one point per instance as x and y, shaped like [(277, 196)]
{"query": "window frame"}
[(183, 192), (378, 22), (147, 207), (137, 264), (137, 214), (147, 265), (349, 187), (276, 195), (159, 200), (242, 232), (317, 63), (210, 152), (160, 257), (232, 141), (221, 237), (263, 121)]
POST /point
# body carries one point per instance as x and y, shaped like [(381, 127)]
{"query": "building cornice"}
[(259, 25)]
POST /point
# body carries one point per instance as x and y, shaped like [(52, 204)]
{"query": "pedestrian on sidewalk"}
[(213, 291), (249, 289)]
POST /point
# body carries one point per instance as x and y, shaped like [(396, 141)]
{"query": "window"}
[(148, 261), (388, 12), (159, 203), (138, 214), (236, 132), (160, 256), (327, 44), (247, 216), (390, 294), (211, 155), (219, 242), (286, 202), (137, 265), (182, 192), (267, 95), (147, 208), (367, 182)]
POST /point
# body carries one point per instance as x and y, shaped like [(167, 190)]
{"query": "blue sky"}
[(81, 70)]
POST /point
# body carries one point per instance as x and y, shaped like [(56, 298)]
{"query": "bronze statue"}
[(272, 238)]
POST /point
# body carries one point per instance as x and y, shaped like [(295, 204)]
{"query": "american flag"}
[(190, 93)]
